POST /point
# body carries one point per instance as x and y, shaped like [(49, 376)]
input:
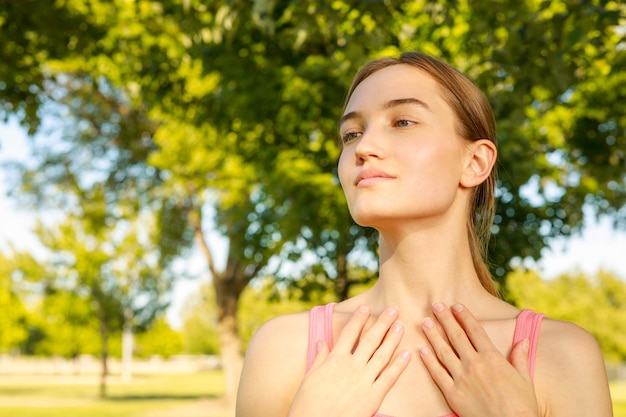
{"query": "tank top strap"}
[(527, 326), (320, 328)]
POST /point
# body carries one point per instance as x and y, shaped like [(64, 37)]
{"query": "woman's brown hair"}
[(475, 120)]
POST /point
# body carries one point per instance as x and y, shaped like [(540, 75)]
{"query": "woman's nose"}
[(369, 145)]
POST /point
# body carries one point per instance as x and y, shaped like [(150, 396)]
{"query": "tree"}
[(30, 36), (199, 330), (159, 340), (67, 325), (13, 322), (129, 235), (100, 274)]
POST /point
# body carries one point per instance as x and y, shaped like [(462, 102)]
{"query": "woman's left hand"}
[(475, 378)]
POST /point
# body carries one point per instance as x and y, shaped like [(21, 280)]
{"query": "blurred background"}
[(167, 180)]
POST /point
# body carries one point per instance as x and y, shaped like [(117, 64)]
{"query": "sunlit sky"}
[(599, 246)]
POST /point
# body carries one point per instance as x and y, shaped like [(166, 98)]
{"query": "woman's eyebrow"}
[(387, 105), (349, 116), (402, 101)]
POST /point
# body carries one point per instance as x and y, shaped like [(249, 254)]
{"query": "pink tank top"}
[(321, 328)]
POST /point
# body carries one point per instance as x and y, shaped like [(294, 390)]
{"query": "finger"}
[(438, 373), (474, 331), (321, 353), (443, 351), (381, 357), (352, 330), (372, 338), (519, 359), (455, 333), (390, 375)]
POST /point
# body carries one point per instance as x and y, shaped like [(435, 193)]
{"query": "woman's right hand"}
[(353, 379)]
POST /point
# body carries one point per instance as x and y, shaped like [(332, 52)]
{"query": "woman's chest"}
[(415, 394)]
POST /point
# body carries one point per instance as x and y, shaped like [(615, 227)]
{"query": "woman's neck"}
[(417, 269)]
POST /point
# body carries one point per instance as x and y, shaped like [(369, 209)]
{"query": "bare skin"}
[(445, 343), (271, 386)]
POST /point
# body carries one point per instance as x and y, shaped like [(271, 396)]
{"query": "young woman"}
[(431, 338)]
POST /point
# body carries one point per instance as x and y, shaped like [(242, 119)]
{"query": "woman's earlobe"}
[(480, 163)]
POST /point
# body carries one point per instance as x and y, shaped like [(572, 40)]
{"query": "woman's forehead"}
[(397, 82)]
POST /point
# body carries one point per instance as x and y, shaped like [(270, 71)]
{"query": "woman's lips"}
[(371, 176)]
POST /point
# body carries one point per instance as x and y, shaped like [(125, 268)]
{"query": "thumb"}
[(519, 358), (321, 353)]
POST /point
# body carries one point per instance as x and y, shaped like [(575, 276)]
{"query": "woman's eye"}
[(348, 136), (403, 123)]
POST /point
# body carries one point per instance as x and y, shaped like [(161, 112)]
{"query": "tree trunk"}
[(228, 288), (103, 356), (128, 341), (228, 285)]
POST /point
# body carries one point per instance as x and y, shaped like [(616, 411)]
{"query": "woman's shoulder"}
[(570, 371), (565, 341), (282, 334), (274, 365)]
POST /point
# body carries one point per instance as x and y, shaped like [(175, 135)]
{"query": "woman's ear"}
[(481, 159)]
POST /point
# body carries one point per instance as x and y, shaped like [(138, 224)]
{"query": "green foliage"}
[(13, 327), (67, 324), (95, 279), (160, 339), (235, 91), (31, 36), (261, 302), (597, 304), (199, 330)]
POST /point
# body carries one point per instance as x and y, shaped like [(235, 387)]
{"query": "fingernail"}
[(438, 306), (364, 309), (391, 311), (425, 351), (397, 327), (405, 354), (525, 345), (458, 307), (428, 323)]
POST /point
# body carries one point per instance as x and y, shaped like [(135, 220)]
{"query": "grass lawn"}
[(188, 395)]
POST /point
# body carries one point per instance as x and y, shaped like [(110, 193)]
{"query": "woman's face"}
[(401, 158)]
